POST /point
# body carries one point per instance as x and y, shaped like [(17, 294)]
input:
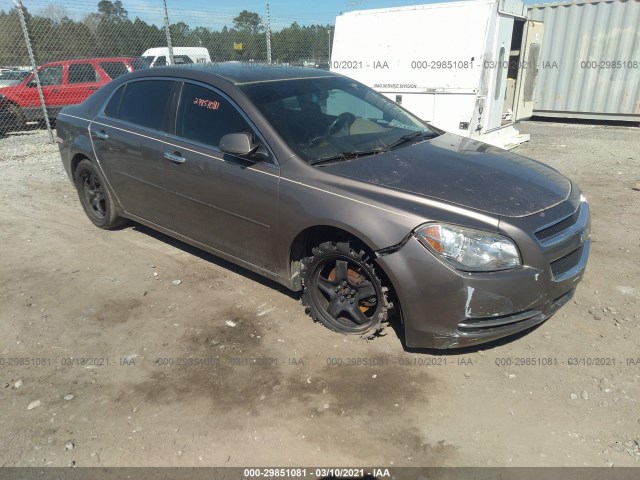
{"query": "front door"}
[(51, 80), (223, 201)]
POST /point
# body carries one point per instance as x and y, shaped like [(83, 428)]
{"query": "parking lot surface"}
[(128, 348)]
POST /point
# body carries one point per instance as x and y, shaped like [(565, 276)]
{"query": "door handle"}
[(93, 88), (102, 135), (174, 157)]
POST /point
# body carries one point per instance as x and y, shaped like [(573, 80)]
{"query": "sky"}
[(216, 14), (307, 12)]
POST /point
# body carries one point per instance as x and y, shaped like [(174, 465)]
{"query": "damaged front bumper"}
[(446, 308)]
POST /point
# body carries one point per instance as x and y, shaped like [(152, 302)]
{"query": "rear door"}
[(82, 80), (114, 69), (128, 139), (226, 202)]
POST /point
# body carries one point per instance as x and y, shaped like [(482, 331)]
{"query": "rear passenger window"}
[(205, 116), (114, 69), (144, 103), (114, 104), (82, 73)]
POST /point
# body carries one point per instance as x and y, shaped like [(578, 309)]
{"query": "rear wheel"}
[(95, 197), (342, 290)]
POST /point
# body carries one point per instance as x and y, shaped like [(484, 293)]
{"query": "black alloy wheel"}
[(342, 290), (95, 196)]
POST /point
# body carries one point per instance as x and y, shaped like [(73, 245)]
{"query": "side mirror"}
[(240, 144), (31, 84)]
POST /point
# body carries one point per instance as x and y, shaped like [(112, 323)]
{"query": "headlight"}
[(469, 249)]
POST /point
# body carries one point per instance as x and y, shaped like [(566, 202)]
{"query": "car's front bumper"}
[(446, 308)]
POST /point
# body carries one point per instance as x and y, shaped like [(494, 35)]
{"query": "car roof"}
[(164, 50), (238, 73), (89, 60)]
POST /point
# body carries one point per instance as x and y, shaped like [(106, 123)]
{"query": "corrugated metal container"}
[(590, 60)]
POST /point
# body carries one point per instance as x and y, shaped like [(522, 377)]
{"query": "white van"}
[(159, 56)]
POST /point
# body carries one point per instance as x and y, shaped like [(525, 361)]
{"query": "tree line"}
[(110, 32)]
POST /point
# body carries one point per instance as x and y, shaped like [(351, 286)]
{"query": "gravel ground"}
[(90, 322)]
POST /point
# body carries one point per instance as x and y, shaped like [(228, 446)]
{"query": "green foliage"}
[(248, 22), (112, 10), (110, 32)]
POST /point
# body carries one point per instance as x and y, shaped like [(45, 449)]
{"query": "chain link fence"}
[(57, 54)]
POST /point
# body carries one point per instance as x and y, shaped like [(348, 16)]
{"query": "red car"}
[(67, 82)]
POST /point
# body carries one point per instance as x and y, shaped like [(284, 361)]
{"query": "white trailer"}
[(466, 67)]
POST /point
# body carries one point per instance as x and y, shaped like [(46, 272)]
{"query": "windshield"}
[(146, 60), (140, 63), (330, 117)]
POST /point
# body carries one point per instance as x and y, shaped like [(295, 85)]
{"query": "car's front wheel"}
[(342, 290), (95, 197)]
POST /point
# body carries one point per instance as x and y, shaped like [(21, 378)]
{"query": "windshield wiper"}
[(407, 137), (345, 156), (363, 153)]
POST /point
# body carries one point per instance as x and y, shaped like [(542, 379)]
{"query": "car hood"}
[(464, 172)]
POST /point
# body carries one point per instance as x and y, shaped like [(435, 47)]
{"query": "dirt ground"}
[(106, 359)]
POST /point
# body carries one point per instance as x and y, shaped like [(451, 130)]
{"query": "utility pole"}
[(34, 67), (167, 32), (268, 35)]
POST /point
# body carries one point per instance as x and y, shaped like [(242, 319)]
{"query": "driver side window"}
[(205, 116), (51, 76)]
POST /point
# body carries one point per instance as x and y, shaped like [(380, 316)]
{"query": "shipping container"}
[(590, 60)]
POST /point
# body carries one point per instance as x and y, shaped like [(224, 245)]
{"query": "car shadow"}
[(211, 258)]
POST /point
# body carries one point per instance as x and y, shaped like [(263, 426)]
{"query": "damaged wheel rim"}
[(346, 293)]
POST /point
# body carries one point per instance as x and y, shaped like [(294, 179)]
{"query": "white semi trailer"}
[(466, 67)]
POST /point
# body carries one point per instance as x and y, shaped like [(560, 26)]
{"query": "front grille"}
[(566, 263), (557, 227)]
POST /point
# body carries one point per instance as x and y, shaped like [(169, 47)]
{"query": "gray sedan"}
[(327, 187)]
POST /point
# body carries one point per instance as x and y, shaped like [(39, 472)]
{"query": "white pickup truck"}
[(159, 56)]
